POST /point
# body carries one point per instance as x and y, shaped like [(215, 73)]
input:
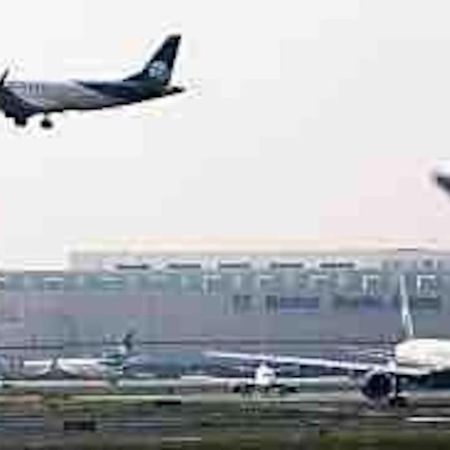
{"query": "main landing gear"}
[(46, 123), (398, 401), (22, 122)]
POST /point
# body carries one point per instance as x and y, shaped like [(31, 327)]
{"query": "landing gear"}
[(20, 122), (397, 399), (46, 123), (244, 389)]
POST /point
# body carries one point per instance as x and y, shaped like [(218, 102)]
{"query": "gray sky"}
[(317, 119)]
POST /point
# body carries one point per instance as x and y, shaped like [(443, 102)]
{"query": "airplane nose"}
[(443, 181)]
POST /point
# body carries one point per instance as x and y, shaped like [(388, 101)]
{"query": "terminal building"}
[(216, 296)]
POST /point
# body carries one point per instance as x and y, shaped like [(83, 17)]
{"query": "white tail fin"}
[(407, 322)]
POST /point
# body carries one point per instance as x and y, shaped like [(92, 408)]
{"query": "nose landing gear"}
[(20, 122)]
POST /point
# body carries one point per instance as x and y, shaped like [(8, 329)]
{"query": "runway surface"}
[(193, 417), (200, 382)]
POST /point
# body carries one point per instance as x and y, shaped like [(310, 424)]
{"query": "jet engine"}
[(378, 385)]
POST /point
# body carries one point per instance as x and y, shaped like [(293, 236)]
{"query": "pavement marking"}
[(424, 419)]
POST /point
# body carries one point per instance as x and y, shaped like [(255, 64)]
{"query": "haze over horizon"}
[(321, 120)]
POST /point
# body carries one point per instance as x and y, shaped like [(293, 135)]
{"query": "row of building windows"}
[(219, 283), (243, 303), (400, 259)]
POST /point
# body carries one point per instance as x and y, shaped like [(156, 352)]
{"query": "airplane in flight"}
[(442, 181), (21, 100), (110, 365), (414, 359)]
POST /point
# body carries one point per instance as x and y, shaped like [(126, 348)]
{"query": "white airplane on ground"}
[(414, 359), (110, 365), (21, 100), (265, 380)]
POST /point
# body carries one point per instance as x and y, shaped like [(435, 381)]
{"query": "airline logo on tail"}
[(159, 71)]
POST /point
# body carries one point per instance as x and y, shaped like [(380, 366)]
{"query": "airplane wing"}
[(204, 381), (346, 366)]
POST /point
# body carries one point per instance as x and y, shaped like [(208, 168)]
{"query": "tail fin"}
[(407, 322), (127, 343), (117, 356), (160, 67)]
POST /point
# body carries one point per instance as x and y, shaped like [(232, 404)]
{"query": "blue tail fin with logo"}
[(159, 68)]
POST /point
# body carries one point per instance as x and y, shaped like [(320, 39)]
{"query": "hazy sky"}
[(317, 119)]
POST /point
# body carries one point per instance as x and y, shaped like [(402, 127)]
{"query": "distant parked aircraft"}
[(110, 365), (21, 100)]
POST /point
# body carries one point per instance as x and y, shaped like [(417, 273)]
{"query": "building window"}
[(112, 283), (426, 303), (299, 303), (344, 302), (302, 281), (371, 285), (340, 265), (156, 282), (427, 285), (237, 265), (53, 283), (211, 284), (271, 303), (231, 282), (348, 281), (192, 283), (288, 281), (286, 265), (184, 266), (172, 282), (242, 303), (14, 282), (269, 282), (320, 283), (371, 302), (132, 267), (292, 303), (429, 264)]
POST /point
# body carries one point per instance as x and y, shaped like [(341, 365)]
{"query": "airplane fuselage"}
[(73, 367), (48, 97), (430, 353), (86, 367)]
